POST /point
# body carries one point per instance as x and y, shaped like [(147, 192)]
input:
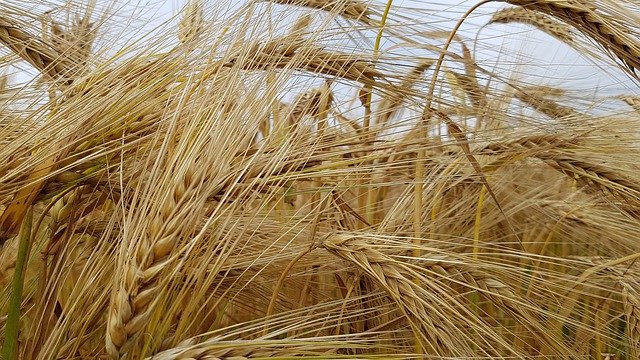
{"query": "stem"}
[(422, 134), (369, 196), (279, 284), (12, 326), (478, 221), (383, 21), (426, 116), (432, 85)]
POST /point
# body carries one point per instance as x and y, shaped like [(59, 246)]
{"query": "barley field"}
[(318, 179)]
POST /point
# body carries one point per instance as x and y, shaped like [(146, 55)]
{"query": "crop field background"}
[(321, 179)]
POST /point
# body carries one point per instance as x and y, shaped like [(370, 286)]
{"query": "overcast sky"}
[(542, 58)]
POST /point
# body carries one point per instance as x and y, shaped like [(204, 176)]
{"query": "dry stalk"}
[(542, 22), (611, 35)]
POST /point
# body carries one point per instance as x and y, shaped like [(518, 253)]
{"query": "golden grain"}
[(602, 28), (248, 189), (541, 21)]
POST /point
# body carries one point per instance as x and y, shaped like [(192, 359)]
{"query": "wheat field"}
[(321, 179)]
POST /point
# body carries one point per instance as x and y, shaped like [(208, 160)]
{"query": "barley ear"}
[(540, 21), (191, 24), (605, 29), (32, 50), (631, 300)]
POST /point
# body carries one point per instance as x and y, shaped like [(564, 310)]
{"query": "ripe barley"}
[(130, 305), (601, 27), (541, 21)]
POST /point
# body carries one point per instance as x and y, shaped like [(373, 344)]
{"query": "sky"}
[(540, 58)]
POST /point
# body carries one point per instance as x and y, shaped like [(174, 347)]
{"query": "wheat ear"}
[(391, 102), (284, 53), (191, 25), (533, 96), (528, 144), (548, 148), (398, 284), (633, 101), (73, 43)]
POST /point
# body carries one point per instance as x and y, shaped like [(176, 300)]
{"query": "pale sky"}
[(542, 59)]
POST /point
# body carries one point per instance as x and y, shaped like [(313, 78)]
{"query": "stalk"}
[(12, 326)]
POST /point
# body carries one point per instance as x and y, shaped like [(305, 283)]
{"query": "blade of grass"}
[(12, 326)]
